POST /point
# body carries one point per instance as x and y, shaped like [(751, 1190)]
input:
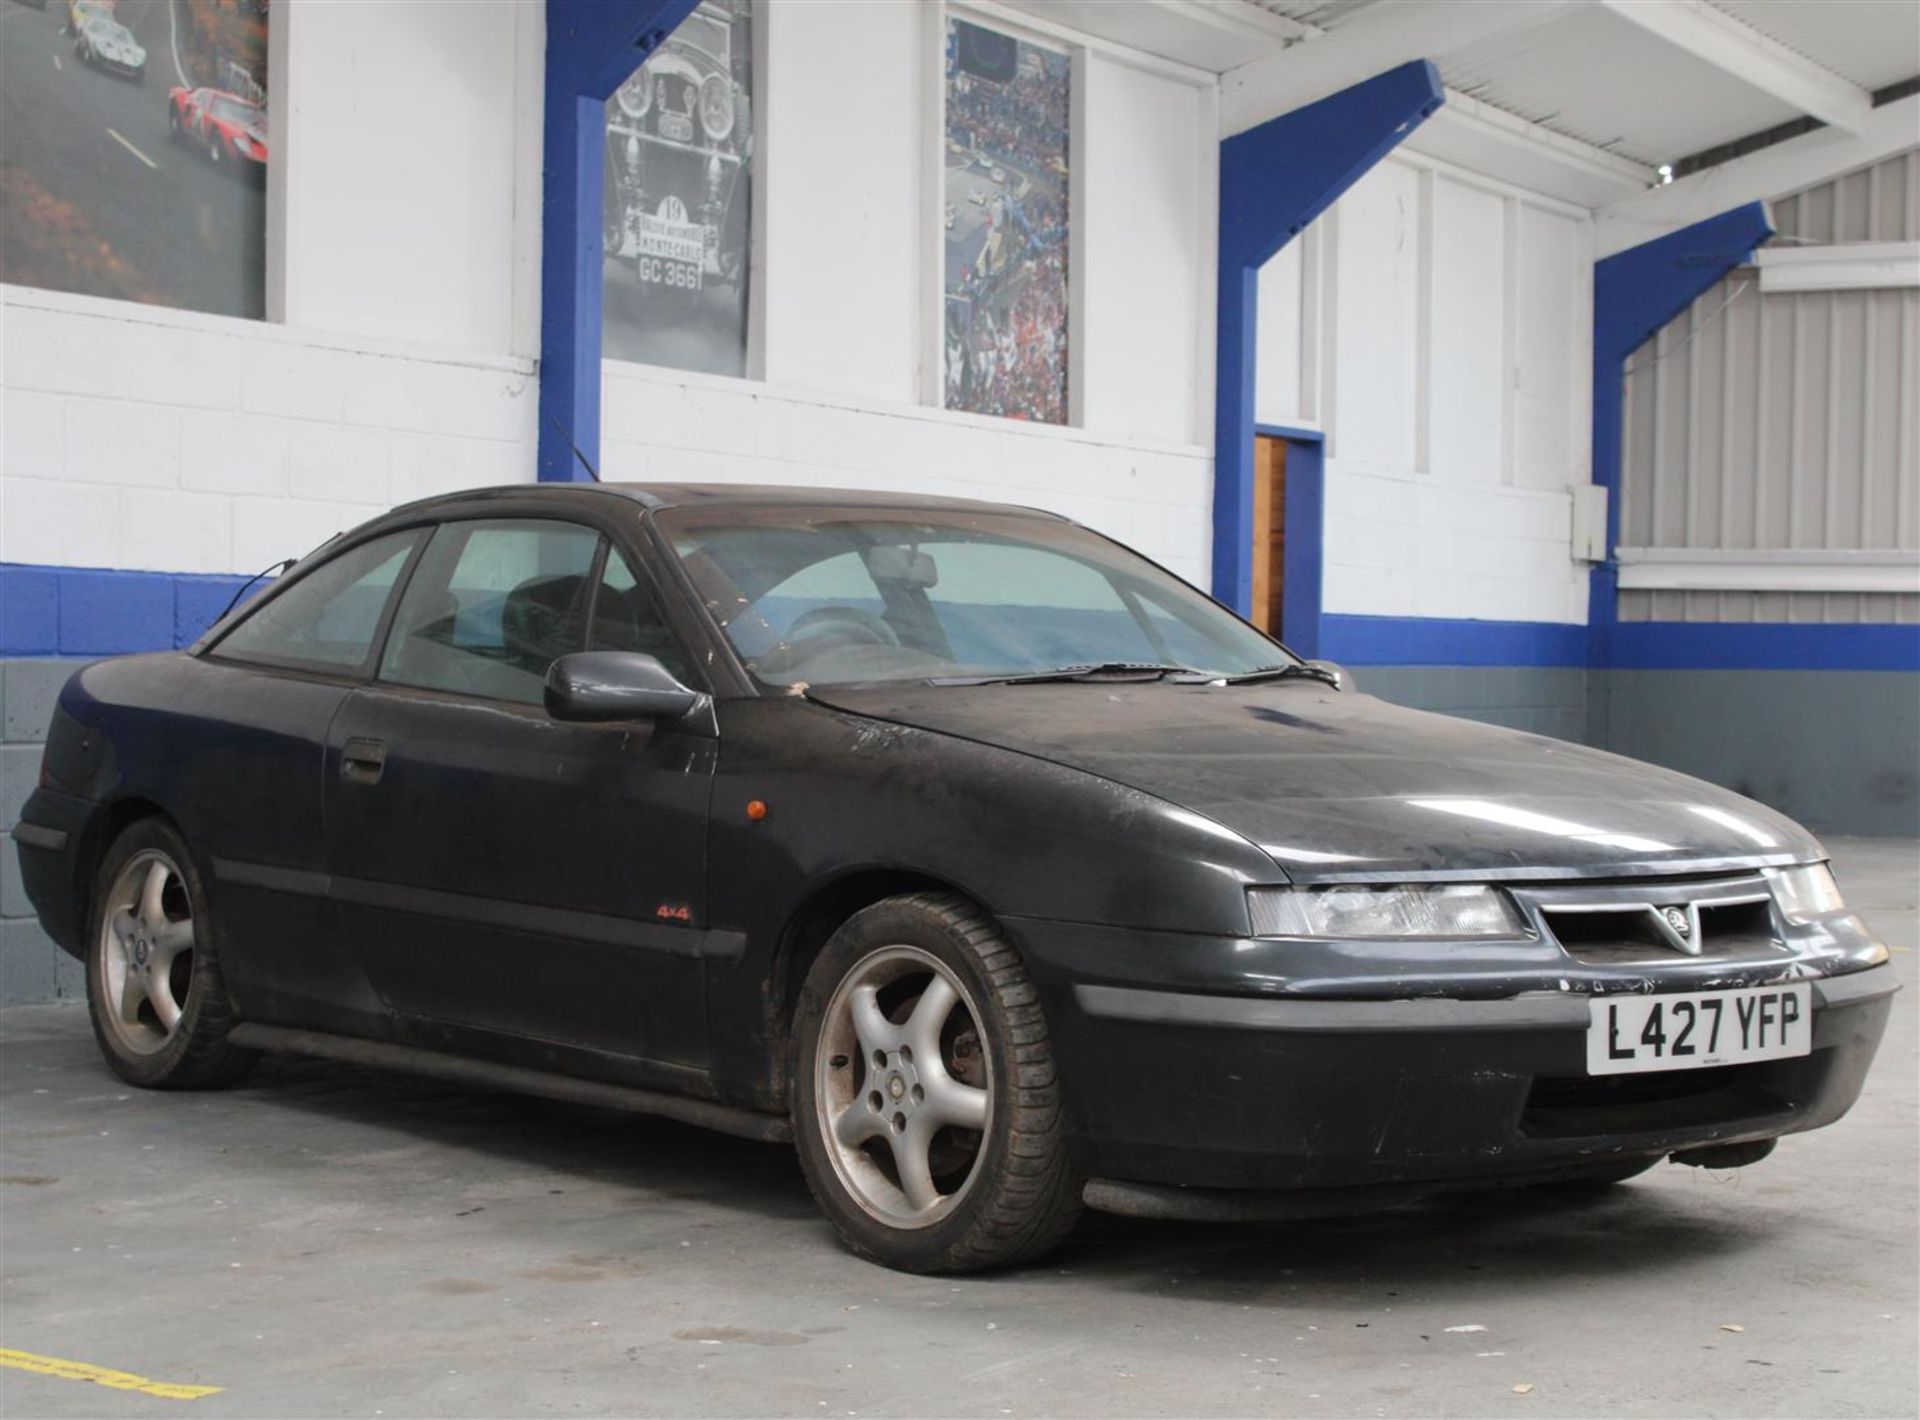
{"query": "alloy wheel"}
[(903, 1088), (145, 955)]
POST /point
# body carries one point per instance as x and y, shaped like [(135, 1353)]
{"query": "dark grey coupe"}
[(996, 868)]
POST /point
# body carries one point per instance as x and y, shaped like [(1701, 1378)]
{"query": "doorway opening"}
[(1269, 534)]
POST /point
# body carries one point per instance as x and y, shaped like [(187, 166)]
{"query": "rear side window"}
[(492, 605), (327, 620)]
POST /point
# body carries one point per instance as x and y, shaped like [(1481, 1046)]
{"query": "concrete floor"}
[(326, 1241)]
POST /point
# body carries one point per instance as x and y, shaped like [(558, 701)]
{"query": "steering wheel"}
[(848, 623)]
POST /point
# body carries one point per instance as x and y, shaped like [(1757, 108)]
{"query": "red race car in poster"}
[(228, 128)]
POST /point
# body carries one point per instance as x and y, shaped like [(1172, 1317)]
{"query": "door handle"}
[(363, 761)]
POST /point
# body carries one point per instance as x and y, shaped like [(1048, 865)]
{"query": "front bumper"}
[(1175, 1081)]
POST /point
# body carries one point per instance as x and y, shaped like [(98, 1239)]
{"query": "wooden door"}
[(1269, 532)]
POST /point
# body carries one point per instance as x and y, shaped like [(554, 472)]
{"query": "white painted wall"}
[(668, 427), (143, 438), (851, 254), (411, 150), (1438, 325), (848, 219), (839, 150), (1145, 280)]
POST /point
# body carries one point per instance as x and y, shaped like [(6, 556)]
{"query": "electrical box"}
[(1590, 523)]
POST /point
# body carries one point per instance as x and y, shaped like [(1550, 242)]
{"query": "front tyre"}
[(926, 1106), (159, 1006)]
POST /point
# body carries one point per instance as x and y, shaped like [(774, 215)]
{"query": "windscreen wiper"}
[(1100, 670), (1303, 670)]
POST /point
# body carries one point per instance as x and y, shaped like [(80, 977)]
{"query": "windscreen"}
[(838, 596)]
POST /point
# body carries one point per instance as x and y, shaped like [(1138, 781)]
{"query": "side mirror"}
[(1342, 677), (595, 686)]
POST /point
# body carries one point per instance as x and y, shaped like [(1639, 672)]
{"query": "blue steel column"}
[(1274, 180), (592, 46), (1635, 293)]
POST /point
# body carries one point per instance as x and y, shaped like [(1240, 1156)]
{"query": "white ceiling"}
[(1872, 43), (1592, 75), (1647, 80)]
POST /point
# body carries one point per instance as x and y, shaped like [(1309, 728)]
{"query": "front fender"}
[(1022, 836)]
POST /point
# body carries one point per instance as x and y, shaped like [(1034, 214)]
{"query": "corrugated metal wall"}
[(1786, 420)]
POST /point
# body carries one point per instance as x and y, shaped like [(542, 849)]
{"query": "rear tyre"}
[(926, 1106), (159, 1006)]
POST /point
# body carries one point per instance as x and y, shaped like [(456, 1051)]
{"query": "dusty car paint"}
[(603, 901)]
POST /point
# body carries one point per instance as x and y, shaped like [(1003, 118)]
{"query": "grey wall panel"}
[(1546, 700), (1838, 750), (32, 968), (1901, 608), (1785, 420)]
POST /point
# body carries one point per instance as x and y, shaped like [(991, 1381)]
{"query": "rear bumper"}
[(1172, 1086), (48, 839)]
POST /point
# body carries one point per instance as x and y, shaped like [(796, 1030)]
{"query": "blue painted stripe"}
[(1436, 641), (98, 611), (1772, 646)]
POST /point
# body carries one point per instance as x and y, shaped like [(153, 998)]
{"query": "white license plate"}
[(1629, 1034)]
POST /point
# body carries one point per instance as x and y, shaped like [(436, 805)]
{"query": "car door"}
[(507, 878), (247, 736)]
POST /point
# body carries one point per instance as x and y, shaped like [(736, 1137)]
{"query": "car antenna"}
[(241, 590), (585, 462)]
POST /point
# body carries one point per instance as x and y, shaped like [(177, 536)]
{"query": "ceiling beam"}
[(1484, 139), (1758, 177), (1378, 38), (1717, 38)]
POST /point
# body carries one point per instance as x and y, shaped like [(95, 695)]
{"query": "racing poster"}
[(1006, 225), (679, 212), (133, 150)]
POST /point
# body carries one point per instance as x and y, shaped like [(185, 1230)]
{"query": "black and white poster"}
[(1008, 113), (679, 209), (133, 150)]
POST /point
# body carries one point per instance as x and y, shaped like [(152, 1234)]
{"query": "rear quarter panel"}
[(233, 756)]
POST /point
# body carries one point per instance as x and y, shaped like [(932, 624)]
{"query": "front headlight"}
[(1806, 894), (1467, 910), (716, 107)]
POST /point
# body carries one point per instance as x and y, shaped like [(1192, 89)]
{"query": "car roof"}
[(711, 495)]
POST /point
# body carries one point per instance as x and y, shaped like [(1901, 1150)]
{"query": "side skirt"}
[(485, 1074)]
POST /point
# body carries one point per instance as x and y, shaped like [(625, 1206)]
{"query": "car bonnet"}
[(1339, 786)]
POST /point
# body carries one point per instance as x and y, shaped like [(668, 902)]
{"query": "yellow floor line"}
[(100, 1375)]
